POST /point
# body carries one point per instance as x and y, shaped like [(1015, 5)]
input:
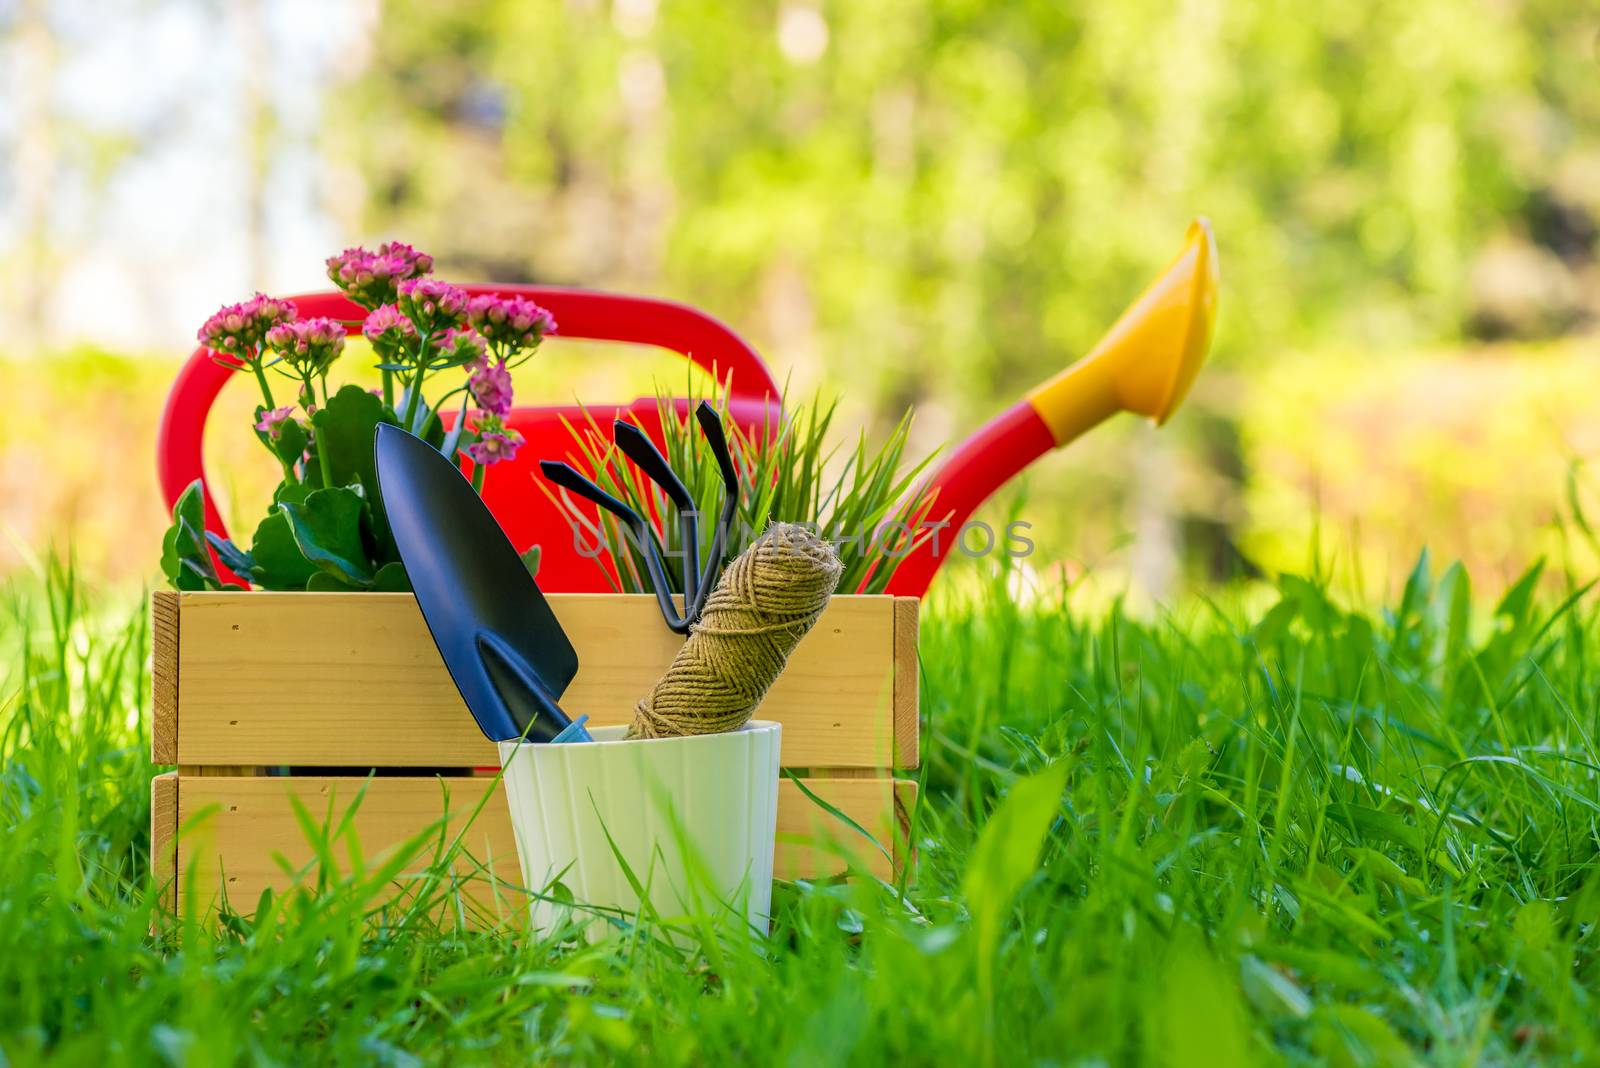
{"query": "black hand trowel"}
[(503, 645)]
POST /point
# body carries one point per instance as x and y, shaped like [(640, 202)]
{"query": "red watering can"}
[(1145, 364)]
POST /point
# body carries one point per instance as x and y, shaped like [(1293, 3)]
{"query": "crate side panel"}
[(239, 832), (354, 679), (246, 822)]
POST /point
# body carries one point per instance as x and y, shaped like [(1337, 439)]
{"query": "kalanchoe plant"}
[(324, 529)]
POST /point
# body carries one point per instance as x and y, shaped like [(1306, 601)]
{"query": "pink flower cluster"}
[(370, 278), (433, 306), (238, 329), (416, 324), (510, 323), (462, 346), (389, 332), (495, 442), (308, 345), (490, 384)]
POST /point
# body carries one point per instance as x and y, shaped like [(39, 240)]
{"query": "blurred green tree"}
[(941, 203), (950, 199)]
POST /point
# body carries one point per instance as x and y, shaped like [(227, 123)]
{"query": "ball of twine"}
[(765, 602)]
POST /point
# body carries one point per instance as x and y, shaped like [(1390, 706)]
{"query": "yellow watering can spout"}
[(1148, 359), (1144, 364)]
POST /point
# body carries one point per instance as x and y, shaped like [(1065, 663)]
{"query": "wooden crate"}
[(249, 684)]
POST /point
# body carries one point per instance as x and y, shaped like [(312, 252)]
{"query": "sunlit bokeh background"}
[(931, 205)]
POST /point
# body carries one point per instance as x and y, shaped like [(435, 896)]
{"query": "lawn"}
[(1304, 833)]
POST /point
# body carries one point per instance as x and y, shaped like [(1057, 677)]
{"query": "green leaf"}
[(451, 443), (1277, 619), (311, 476), (1272, 992), (174, 542), (290, 443), (1535, 925), (1315, 610), (279, 563), (1351, 1035), (1372, 824), (1376, 825), (293, 492), (171, 557), (424, 421), (327, 582), (1519, 598), (1386, 871), (530, 560), (237, 560), (1200, 1017), (327, 529), (1007, 856), (345, 427), (185, 558), (432, 431), (391, 578), (1455, 589)]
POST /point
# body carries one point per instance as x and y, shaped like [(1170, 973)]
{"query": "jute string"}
[(765, 602)]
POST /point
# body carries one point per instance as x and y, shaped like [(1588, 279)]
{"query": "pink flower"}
[(270, 311), (370, 278), (491, 386), (309, 345), (406, 261), (238, 329), (494, 445), (463, 346), (510, 323), (389, 332), (433, 306), (271, 422)]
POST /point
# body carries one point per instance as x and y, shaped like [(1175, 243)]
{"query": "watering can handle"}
[(578, 313)]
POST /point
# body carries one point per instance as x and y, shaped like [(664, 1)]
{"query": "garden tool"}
[(769, 598), (502, 644), (1144, 364), (638, 448)]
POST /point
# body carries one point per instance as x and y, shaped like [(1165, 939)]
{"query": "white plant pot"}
[(693, 817)]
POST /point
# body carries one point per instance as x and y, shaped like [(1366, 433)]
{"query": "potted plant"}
[(278, 701)]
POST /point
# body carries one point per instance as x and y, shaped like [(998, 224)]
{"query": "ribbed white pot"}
[(693, 817)]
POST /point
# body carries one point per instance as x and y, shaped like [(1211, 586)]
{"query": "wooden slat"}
[(251, 820), (164, 676), (354, 679), (164, 836), (907, 707), (810, 838), (905, 803)]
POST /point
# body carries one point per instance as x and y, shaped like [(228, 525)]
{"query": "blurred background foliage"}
[(938, 204)]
